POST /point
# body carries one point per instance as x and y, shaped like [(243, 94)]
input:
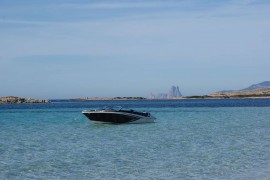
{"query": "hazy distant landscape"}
[(260, 90)]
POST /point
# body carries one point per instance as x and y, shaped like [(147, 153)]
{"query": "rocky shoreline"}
[(19, 100), (257, 93)]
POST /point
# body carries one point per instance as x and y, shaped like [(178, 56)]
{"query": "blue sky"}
[(67, 49)]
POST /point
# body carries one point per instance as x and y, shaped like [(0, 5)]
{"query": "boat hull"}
[(117, 117)]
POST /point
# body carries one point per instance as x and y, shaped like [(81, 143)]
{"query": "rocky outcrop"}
[(18, 100), (174, 92)]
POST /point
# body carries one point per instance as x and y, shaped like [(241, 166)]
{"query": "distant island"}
[(19, 100), (173, 93)]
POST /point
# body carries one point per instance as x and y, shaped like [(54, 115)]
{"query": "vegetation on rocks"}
[(18, 100)]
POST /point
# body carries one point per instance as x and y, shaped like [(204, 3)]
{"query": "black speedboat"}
[(112, 115)]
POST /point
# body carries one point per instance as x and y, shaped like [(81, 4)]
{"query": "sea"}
[(190, 139)]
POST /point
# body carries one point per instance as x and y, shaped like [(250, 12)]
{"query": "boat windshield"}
[(108, 108)]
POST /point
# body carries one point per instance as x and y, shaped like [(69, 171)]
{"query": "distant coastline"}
[(183, 98), (255, 91), (180, 98), (30, 100), (107, 98)]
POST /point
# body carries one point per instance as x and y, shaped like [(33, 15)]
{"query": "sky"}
[(106, 48)]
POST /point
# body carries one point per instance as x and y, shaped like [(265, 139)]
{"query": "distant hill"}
[(256, 90), (262, 85), (264, 92)]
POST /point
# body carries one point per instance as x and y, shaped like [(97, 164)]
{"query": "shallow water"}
[(191, 139)]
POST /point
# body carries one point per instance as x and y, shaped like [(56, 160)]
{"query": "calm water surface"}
[(191, 139)]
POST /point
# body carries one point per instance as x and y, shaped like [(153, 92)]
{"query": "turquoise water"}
[(190, 140)]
